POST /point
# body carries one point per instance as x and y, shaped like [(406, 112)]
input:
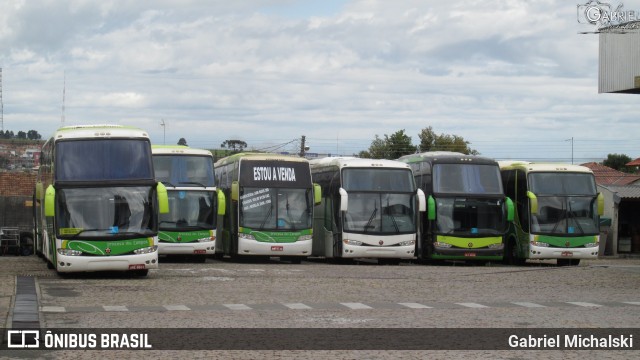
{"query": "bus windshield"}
[(184, 170), (466, 179), (566, 215), (103, 159), (470, 217), (378, 179), (276, 208), (106, 211), (380, 213), (189, 210), (562, 183)]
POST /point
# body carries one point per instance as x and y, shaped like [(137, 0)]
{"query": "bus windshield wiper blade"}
[(264, 221), (192, 183), (85, 230), (373, 214)]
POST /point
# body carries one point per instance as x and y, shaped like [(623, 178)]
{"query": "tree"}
[(430, 141), (22, 135), (33, 135), (182, 142), (618, 162), (235, 146), (391, 147)]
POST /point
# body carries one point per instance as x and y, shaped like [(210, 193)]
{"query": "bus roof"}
[(446, 157), (354, 162), (528, 166), (178, 150), (258, 156), (98, 131)]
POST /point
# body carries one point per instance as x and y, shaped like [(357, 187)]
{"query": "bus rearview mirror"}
[(600, 204), (533, 202), (510, 209), (422, 201), (49, 201), (344, 200), (431, 208), (235, 191), (222, 203), (317, 194), (163, 198)]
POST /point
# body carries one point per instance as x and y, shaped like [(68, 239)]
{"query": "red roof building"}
[(608, 176), (635, 162)]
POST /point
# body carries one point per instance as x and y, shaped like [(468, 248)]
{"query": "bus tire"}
[(512, 254), (50, 265), (575, 262), (200, 258)]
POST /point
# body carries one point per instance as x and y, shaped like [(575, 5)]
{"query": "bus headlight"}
[(145, 250), (441, 244), (305, 237), (352, 242), (407, 243), (212, 238), (69, 252), (496, 246), (540, 244), (591, 245), (246, 236)]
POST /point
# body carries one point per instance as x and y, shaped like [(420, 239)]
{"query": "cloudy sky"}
[(514, 78)]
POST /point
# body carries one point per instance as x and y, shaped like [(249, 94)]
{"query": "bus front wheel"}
[(512, 253)]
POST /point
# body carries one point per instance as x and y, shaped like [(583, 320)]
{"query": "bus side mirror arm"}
[(533, 202), (50, 201), (422, 201), (163, 198), (510, 209), (344, 200)]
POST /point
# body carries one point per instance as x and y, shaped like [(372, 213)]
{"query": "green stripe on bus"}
[(469, 243), (185, 236), (567, 241), (107, 248)]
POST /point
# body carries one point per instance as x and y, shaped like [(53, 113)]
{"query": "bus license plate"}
[(566, 254), (136, 267), (199, 251), (277, 248), (470, 254)]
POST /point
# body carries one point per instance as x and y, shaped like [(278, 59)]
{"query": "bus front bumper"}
[(542, 252), (65, 263), (468, 254), (389, 252), (253, 247), (191, 248)]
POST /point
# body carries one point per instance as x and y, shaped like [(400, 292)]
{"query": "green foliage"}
[(618, 162), (235, 146), (391, 147), (430, 141)]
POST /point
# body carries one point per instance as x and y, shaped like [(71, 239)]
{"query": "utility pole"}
[(64, 90), (302, 147), (164, 132), (571, 149), (1, 105)]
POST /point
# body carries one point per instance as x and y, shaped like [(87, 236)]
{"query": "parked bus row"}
[(111, 201)]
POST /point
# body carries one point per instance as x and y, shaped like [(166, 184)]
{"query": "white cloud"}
[(491, 71)]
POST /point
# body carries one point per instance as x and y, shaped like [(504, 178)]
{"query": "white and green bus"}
[(467, 211), (100, 201), (557, 212), (369, 209), (189, 227), (270, 211)]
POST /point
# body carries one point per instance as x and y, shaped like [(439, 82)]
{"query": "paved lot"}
[(596, 294)]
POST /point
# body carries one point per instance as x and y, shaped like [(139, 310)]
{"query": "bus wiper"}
[(191, 183), (266, 217), (393, 218), (575, 218), (373, 214)]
